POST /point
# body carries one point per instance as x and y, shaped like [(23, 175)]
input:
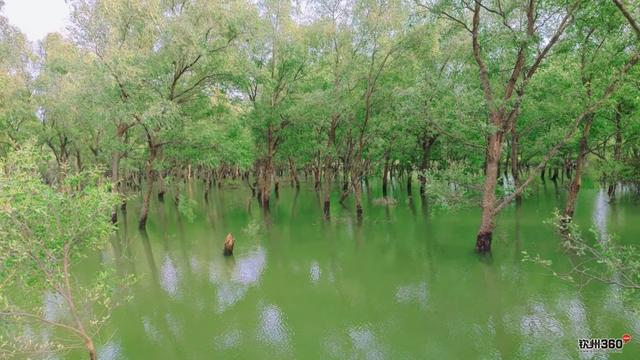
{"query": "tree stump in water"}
[(228, 245)]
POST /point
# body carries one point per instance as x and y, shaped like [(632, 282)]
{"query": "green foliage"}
[(598, 257), (453, 187), (44, 231)]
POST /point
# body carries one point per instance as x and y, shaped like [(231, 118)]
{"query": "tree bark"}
[(427, 142), (385, 175), (116, 156), (294, 174), (93, 354), (514, 160), (266, 172), (574, 187), (617, 152), (487, 224), (357, 192), (144, 212)]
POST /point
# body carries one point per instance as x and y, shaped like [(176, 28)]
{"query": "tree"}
[(44, 231), (17, 108)]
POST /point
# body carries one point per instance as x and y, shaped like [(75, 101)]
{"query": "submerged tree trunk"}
[(427, 142), (115, 182), (294, 174), (385, 175), (116, 156), (617, 152), (93, 354), (357, 194), (487, 224), (266, 171), (161, 188), (148, 191), (574, 187)]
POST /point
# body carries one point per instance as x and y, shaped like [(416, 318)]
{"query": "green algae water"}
[(405, 284)]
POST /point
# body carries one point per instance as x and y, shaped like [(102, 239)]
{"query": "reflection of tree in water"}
[(148, 251), (234, 276)]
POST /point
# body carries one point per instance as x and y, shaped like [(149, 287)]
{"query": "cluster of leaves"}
[(597, 257), (453, 187), (44, 231)]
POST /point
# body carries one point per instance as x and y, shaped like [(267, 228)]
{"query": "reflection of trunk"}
[(144, 212), (554, 175), (574, 188), (385, 173), (485, 233), (409, 179), (617, 153)]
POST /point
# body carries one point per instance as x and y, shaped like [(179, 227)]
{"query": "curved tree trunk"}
[(574, 187), (487, 224)]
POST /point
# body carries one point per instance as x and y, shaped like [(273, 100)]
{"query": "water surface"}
[(405, 284)]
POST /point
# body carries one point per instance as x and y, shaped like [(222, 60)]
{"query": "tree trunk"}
[(385, 173), (116, 185), (514, 160), (161, 189), (427, 142), (617, 152), (316, 177), (294, 174), (357, 191), (266, 178), (409, 179), (144, 212), (93, 354), (115, 182), (485, 233), (574, 188)]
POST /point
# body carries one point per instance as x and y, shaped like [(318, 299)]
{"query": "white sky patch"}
[(37, 18)]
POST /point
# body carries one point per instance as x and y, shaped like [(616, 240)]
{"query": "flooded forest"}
[(321, 179)]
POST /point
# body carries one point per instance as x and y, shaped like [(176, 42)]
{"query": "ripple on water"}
[(234, 277), (315, 272), (229, 339), (170, 277), (273, 329), (366, 343), (412, 293), (111, 351)]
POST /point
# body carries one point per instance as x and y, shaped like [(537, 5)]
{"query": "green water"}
[(405, 284)]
